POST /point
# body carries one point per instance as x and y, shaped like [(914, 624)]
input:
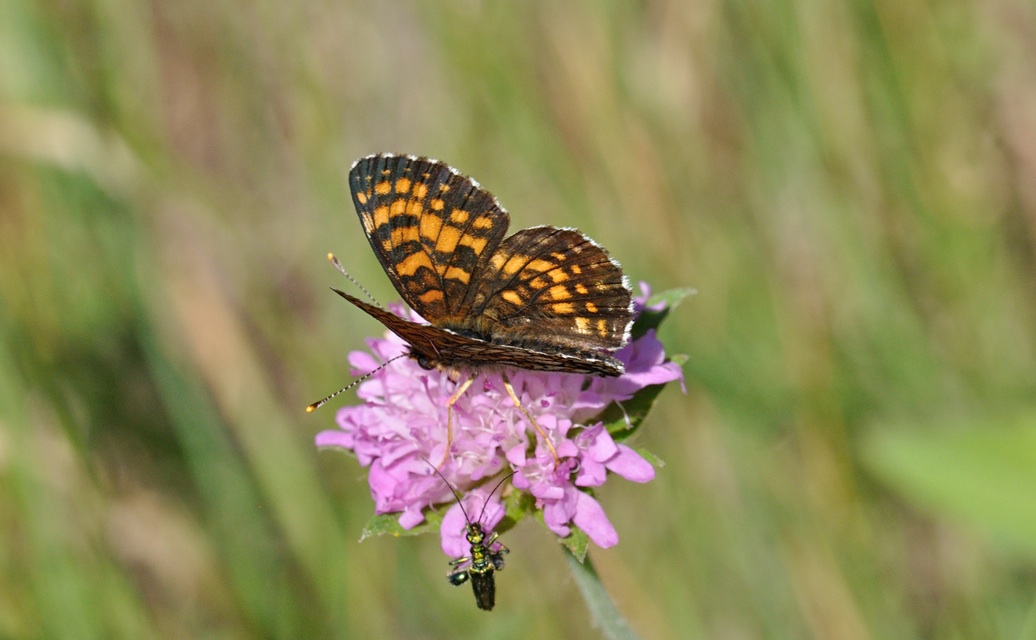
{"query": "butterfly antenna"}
[(338, 265), (319, 403)]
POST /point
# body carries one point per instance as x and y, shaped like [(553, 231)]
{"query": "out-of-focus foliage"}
[(851, 188)]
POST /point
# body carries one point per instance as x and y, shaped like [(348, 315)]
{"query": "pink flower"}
[(401, 425)]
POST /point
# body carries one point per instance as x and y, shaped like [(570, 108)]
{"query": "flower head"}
[(400, 426)]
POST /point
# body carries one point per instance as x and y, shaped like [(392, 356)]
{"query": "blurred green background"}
[(851, 187)]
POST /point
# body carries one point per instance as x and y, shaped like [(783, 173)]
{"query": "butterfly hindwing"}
[(551, 287)]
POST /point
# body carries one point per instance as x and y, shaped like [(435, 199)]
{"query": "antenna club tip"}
[(330, 256), (311, 408)]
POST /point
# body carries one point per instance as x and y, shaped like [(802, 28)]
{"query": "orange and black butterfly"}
[(544, 298)]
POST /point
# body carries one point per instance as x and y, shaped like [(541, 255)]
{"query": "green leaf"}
[(982, 475), (651, 319)]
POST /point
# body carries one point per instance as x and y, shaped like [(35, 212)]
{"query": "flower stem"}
[(602, 609)]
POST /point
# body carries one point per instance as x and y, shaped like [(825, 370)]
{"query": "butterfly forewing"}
[(432, 229)]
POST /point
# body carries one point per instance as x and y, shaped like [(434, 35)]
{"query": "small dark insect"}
[(484, 560)]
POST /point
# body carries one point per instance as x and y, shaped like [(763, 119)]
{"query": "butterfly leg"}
[(461, 388), (539, 429)]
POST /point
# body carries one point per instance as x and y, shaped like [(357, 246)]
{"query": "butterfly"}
[(544, 298)]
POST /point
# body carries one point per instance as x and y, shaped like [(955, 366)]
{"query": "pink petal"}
[(411, 517), (630, 465), (334, 438), (591, 519), (451, 533)]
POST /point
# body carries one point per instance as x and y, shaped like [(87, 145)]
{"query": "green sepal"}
[(651, 319), (652, 459), (679, 359), (577, 542), (388, 524), (518, 504)]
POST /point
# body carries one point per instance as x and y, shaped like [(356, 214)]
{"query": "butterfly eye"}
[(423, 362)]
